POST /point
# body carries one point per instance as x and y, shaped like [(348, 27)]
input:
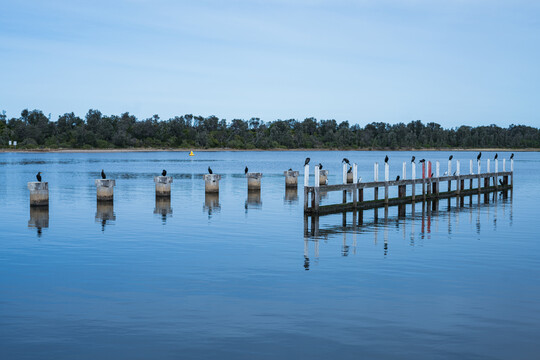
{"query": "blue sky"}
[(452, 62)]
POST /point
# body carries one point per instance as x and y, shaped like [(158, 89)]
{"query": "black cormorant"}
[(307, 161), (496, 156), (386, 159), (413, 158), (246, 170), (290, 169), (210, 170), (397, 178), (103, 176), (38, 176), (346, 161), (423, 160), (512, 156), (164, 172), (451, 157), (350, 170), (479, 156), (320, 166)]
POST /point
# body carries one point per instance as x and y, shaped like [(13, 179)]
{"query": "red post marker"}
[(424, 170), (429, 169)]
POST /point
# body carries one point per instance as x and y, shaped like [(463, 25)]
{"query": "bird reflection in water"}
[(163, 208), (39, 218), (211, 203), (291, 196), (105, 213), (253, 200)]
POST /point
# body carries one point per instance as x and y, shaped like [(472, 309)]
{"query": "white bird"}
[(445, 173)]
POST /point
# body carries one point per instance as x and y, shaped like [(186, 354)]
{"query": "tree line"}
[(34, 130)]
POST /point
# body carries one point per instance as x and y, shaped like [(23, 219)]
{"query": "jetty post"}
[(39, 193), (488, 167), (496, 178), (376, 179), (424, 180), (360, 193), (471, 172), (306, 184), (315, 200), (254, 181), (449, 174), (459, 181), (105, 189), (386, 180), (211, 183), (511, 172), (429, 179), (345, 181), (479, 178), (291, 178), (163, 185), (437, 175), (413, 177)]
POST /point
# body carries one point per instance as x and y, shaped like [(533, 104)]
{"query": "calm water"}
[(235, 277)]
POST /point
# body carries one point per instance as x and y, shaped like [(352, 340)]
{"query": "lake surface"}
[(236, 277)]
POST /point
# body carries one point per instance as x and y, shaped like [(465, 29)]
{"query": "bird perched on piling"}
[(386, 159), (290, 169), (103, 176), (246, 170), (479, 156), (320, 166), (423, 160), (397, 178), (307, 161), (346, 161), (413, 158), (496, 156), (38, 176), (164, 172), (210, 171), (350, 170), (512, 156), (451, 157)]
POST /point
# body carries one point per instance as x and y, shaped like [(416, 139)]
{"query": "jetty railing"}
[(430, 186)]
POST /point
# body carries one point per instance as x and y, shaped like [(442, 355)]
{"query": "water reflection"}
[(105, 213), (163, 208), (427, 214), (253, 200), (291, 196), (39, 218), (211, 203)]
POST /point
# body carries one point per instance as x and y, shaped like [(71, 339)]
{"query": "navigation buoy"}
[(191, 153)]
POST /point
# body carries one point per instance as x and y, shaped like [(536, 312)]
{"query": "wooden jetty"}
[(430, 186)]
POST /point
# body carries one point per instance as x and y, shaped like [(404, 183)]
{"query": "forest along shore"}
[(34, 130)]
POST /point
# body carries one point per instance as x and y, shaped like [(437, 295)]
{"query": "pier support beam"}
[(254, 181), (211, 183), (163, 185), (39, 193), (105, 189)]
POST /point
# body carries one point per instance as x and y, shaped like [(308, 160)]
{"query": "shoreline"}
[(244, 150)]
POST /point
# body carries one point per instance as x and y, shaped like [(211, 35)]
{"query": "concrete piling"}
[(39, 193), (105, 189), (211, 183), (163, 185), (291, 178), (254, 181)]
